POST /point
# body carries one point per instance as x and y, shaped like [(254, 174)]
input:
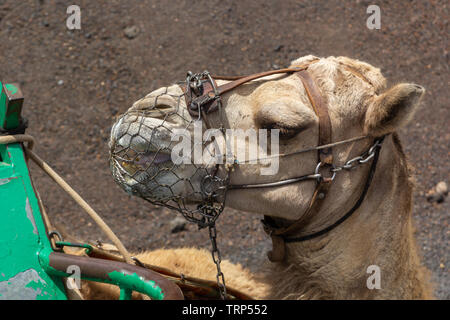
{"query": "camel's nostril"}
[(142, 145), (156, 106), (163, 107), (152, 158), (419, 88)]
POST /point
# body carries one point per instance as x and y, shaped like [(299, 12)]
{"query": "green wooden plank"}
[(11, 102), (22, 236), (22, 230)]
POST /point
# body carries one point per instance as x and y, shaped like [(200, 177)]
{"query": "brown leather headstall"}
[(203, 96)]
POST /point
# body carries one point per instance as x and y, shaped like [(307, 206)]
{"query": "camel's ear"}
[(393, 109)]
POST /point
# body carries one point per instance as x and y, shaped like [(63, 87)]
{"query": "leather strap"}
[(240, 81), (208, 101), (320, 108), (271, 224), (209, 95), (325, 157), (316, 233)]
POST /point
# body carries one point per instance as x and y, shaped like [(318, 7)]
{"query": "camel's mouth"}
[(154, 154), (145, 161), (142, 162), (142, 171), (140, 155)]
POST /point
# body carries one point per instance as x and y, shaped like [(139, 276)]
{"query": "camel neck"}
[(370, 255)]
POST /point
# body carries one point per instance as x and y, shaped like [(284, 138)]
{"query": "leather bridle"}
[(203, 96)]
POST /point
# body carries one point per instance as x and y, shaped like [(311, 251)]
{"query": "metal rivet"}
[(321, 195)]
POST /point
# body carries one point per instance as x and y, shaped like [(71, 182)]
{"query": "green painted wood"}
[(22, 229), (11, 101)]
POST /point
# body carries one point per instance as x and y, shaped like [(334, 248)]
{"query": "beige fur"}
[(191, 262), (392, 109), (380, 232)]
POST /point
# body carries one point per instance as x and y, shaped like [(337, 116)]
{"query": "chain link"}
[(195, 81), (350, 164), (217, 259), (365, 157)]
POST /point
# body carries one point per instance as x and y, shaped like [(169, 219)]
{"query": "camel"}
[(336, 264)]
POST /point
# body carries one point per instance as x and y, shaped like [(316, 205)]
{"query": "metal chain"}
[(217, 259), (365, 157)]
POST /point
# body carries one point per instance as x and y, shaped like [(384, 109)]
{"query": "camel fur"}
[(380, 233)]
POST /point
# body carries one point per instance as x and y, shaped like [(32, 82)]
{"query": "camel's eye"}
[(289, 116), (285, 132)]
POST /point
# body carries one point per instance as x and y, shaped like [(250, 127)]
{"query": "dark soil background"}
[(76, 82)]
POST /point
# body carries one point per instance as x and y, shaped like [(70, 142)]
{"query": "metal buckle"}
[(321, 178), (195, 84), (209, 194)]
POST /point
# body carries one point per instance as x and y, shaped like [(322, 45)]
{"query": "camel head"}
[(144, 140)]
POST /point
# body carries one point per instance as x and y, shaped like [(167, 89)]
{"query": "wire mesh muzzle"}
[(143, 164)]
